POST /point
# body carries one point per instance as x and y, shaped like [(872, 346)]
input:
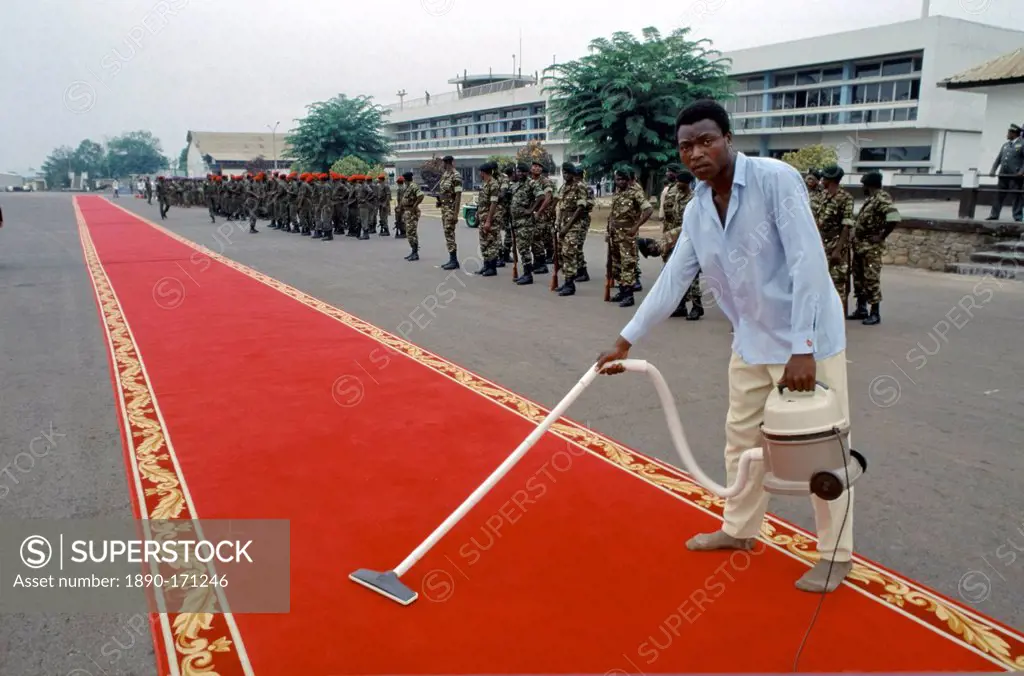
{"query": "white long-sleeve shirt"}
[(766, 268)]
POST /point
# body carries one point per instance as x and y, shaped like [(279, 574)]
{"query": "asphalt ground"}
[(935, 393)]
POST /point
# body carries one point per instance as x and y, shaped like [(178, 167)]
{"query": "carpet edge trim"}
[(192, 638)]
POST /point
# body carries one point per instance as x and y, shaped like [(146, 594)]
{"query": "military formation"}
[(524, 221), (854, 244)]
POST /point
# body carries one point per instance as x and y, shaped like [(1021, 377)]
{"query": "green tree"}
[(351, 165), (503, 161), (617, 105), (136, 152), (91, 158), (339, 127), (534, 151), (183, 160), (431, 171), (817, 156), (57, 165)]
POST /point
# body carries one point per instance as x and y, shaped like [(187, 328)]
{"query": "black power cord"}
[(831, 563)]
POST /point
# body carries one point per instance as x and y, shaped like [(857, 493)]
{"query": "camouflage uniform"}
[(449, 188), (504, 197), (383, 205), (544, 222), (162, 197), (627, 206), (875, 221), (816, 197), (490, 244), (521, 206), (835, 214), (411, 199), (399, 221), (572, 232), (582, 275)]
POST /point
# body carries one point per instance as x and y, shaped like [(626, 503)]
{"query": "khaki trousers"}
[(749, 386)]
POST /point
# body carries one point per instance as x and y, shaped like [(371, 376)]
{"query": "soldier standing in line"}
[(412, 197), (383, 204), (338, 196), (162, 197), (876, 220), (490, 218), (521, 207), (372, 205), (630, 210), (1010, 164), (252, 200), (582, 275), (504, 179), (572, 226), (399, 223), (149, 191), (327, 182), (543, 217), (449, 200), (679, 194), (835, 222), (210, 193)]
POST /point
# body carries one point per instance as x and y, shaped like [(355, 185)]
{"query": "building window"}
[(892, 67), (872, 154), (785, 80), (831, 74), (868, 70), (896, 154), (808, 77), (917, 64)]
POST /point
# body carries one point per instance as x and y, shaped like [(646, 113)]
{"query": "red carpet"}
[(280, 406)]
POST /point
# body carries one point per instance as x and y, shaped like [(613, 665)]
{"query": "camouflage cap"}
[(833, 172), (872, 179)]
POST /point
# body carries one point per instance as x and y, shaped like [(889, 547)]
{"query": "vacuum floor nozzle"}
[(386, 584)]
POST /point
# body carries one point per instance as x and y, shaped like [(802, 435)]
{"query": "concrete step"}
[(1009, 245), (986, 270), (1006, 257)]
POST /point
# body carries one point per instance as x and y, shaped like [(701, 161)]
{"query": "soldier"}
[(504, 179), (372, 205), (543, 217), (630, 210), (876, 220), (449, 200), (162, 196), (572, 226), (399, 223), (383, 204), (412, 197), (678, 196), (489, 216), (1010, 163), (211, 197), (815, 191), (835, 222), (582, 275), (521, 207), (252, 200), (149, 191)]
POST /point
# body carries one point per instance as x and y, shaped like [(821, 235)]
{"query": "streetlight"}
[(273, 140)]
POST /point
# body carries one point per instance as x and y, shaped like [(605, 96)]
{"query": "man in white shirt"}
[(750, 230)]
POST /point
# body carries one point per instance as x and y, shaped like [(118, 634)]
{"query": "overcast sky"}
[(72, 69)]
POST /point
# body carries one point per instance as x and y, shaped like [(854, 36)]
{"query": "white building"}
[(1001, 81), (230, 153), (873, 93)]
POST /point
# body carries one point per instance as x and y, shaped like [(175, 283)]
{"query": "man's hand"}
[(800, 374), (486, 227), (618, 352), (835, 258)]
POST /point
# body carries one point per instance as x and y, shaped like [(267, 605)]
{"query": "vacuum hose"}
[(675, 429)]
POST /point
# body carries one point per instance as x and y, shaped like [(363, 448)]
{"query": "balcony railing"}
[(449, 97)]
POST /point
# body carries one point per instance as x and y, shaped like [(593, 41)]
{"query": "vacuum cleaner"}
[(805, 452)]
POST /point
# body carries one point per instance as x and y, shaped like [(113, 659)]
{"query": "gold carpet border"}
[(197, 636), (951, 619)]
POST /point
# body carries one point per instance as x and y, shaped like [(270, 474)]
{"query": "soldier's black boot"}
[(415, 255), (861, 312), (490, 268), (318, 234), (681, 310), (617, 298), (627, 296), (453, 261), (696, 311), (646, 247), (526, 278), (875, 317), (363, 234), (328, 236), (252, 226), (568, 289), (582, 275), (539, 268), (500, 261), (384, 231)]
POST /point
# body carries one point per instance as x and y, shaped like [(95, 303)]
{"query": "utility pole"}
[(273, 140), (401, 98)]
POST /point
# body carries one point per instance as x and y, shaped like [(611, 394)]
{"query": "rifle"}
[(554, 257), (608, 263), (515, 251)]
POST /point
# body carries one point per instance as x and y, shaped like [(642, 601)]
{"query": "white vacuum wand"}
[(388, 583)]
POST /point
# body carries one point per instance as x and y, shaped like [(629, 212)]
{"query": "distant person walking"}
[(1010, 164), (116, 186)]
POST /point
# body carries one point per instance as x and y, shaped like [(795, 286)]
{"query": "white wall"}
[(195, 166), (1005, 106), (955, 151), (954, 47), (520, 96)]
